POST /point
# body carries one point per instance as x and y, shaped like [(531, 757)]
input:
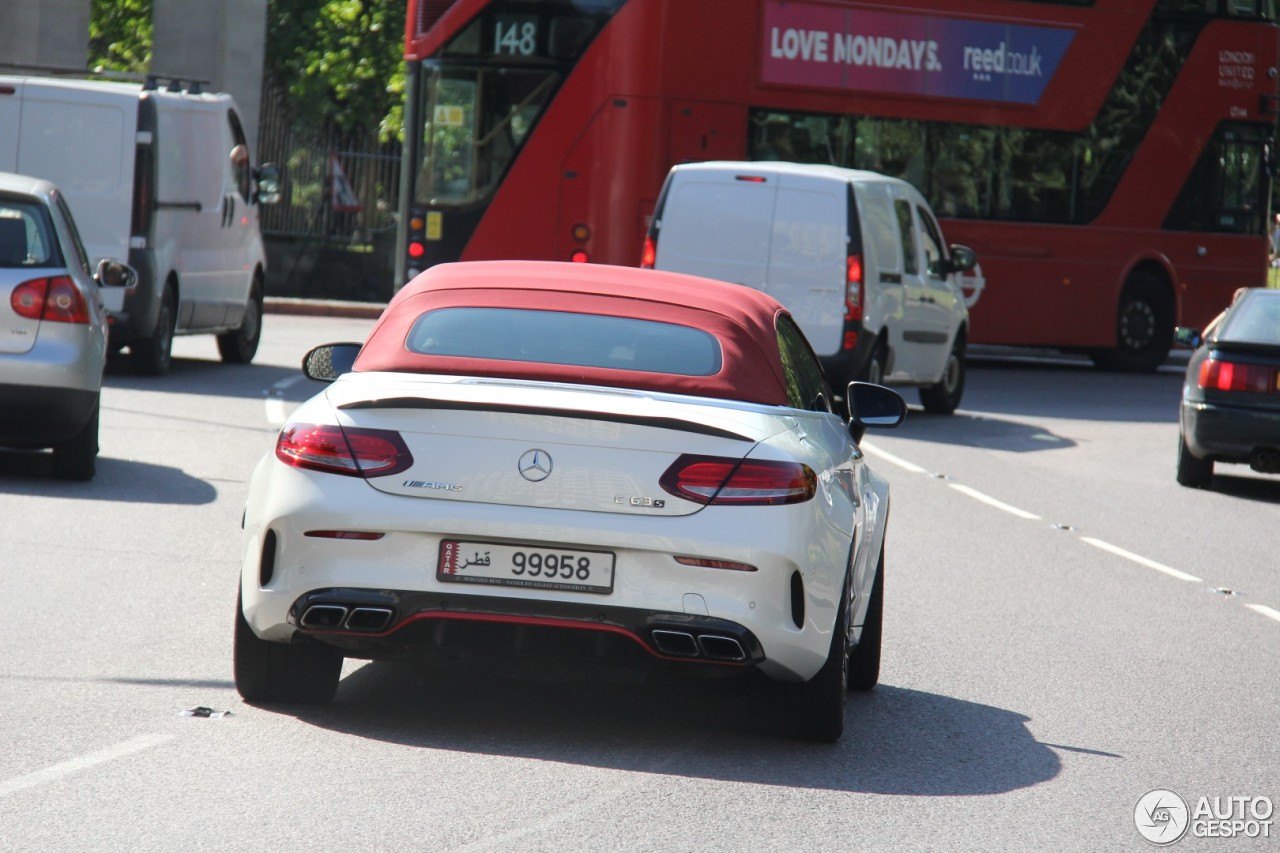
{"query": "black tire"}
[(1192, 471), (864, 658), (153, 355), (1144, 327), (77, 459), (944, 397), (873, 370), (305, 673), (240, 346), (821, 699)]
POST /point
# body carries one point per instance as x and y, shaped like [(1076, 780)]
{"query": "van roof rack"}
[(169, 83), (189, 85)]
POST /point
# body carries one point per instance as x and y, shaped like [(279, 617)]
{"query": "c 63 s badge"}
[(656, 503)]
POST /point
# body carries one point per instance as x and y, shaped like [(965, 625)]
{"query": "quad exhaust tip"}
[(683, 644), (338, 617)]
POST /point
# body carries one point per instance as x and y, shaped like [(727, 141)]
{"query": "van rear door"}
[(83, 141), (10, 117), (715, 223), (808, 253)]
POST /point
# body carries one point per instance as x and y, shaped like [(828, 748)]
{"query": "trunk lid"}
[(547, 445)]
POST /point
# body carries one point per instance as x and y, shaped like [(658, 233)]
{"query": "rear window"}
[(26, 239), (562, 337), (1255, 319)]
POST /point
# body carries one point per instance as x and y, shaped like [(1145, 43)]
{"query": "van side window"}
[(910, 258), (883, 232), (806, 383), (242, 171), (930, 237)]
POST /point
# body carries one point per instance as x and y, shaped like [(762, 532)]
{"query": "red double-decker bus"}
[(1109, 160)]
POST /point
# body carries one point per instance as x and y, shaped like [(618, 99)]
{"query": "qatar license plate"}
[(530, 566)]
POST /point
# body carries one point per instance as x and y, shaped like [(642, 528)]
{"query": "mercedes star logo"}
[(535, 465)]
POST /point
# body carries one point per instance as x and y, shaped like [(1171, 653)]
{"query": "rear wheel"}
[(1193, 471), (77, 459), (873, 372), (290, 673), (864, 658), (1144, 327), (152, 355), (240, 346), (944, 397), (820, 701)]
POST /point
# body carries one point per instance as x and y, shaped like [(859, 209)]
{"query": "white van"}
[(857, 257), (160, 176)]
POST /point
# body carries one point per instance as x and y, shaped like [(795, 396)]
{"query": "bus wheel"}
[(1144, 327)]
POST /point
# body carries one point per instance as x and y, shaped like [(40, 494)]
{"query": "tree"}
[(120, 35), (341, 61)]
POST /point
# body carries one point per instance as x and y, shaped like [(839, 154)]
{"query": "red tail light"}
[(1219, 375), (853, 288), (746, 482), (55, 299), (650, 253), (333, 450)]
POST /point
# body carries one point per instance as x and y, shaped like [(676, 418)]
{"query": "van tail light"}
[(853, 289), (1219, 375), (352, 452), (739, 482), (649, 254), (56, 299)]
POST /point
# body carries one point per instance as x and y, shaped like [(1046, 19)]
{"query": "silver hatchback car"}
[(53, 327)]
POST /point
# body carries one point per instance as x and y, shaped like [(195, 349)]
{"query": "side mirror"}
[(962, 259), (873, 406), (1187, 337), (327, 362), (268, 178), (112, 273)]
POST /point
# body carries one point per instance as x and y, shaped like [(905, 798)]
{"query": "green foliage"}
[(341, 61), (120, 34)]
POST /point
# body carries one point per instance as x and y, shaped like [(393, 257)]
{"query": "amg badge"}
[(431, 484)]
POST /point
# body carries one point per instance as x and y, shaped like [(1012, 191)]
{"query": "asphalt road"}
[(1066, 630)]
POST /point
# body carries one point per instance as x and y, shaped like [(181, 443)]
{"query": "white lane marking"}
[(277, 414), (83, 762), (1140, 560), (990, 501), (889, 457), (1269, 612)]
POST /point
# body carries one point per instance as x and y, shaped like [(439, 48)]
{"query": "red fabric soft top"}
[(741, 319)]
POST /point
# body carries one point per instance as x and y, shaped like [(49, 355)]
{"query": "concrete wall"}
[(44, 32), (220, 41)]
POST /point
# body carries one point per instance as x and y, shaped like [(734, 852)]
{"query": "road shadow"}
[(1243, 486), (897, 740), (967, 429), (117, 480), (1071, 391), (201, 376)]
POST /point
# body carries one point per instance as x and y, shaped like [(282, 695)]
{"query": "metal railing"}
[(335, 186)]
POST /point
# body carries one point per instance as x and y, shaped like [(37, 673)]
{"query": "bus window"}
[(476, 121), (1227, 190)]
